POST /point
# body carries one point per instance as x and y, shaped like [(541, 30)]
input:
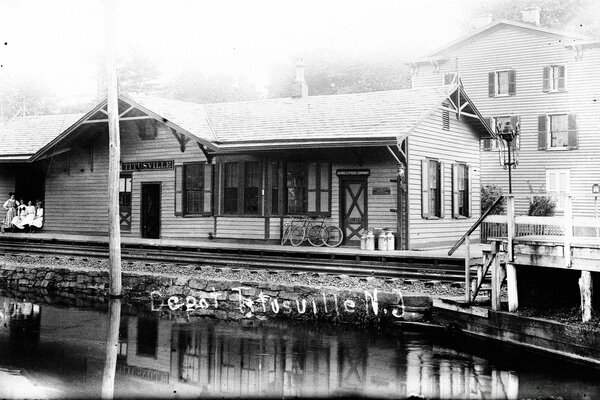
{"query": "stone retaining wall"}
[(224, 299)]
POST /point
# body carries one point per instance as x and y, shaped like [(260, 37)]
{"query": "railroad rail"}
[(427, 268)]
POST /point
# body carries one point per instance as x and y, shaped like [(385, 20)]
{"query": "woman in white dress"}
[(20, 218), (30, 214), (38, 220), (9, 206)]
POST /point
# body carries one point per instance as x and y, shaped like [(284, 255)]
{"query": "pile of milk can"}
[(382, 239)]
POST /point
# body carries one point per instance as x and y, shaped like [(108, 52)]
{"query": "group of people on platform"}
[(25, 217)]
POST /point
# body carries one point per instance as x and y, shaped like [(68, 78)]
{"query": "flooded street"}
[(56, 352)]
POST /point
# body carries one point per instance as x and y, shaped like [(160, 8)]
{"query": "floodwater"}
[(57, 352)]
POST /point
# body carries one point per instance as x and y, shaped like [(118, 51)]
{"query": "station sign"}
[(381, 190), (353, 172), (147, 165)]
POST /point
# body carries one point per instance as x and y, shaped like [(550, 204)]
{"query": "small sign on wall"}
[(353, 172), (381, 190), (147, 165)]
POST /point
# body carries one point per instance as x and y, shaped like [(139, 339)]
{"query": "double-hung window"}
[(432, 188), (461, 191), (502, 83), (193, 189), (241, 187), (554, 78), (558, 183), (449, 78), (557, 132), (308, 188)]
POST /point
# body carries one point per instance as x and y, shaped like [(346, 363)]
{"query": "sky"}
[(59, 41)]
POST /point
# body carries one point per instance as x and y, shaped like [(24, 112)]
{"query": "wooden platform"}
[(215, 245)]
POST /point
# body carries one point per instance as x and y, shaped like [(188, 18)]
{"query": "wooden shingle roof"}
[(22, 137), (361, 119)]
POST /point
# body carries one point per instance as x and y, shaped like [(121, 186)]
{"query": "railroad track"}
[(402, 267)]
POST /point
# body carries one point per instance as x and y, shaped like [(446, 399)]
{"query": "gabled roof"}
[(495, 26), (21, 137), (361, 116), (362, 119), (190, 117)]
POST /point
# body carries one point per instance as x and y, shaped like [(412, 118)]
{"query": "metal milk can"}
[(391, 243), (370, 241), (363, 241), (381, 241)]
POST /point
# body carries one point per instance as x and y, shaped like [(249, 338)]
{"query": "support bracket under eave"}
[(207, 155), (182, 139)]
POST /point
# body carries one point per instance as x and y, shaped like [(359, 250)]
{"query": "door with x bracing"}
[(353, 208)]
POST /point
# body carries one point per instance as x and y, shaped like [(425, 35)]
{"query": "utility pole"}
[(114, 229)]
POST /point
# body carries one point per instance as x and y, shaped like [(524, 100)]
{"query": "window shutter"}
[(515, 121), (512, 82), (325, 188), (454, 190), (573, 139), (487, 142), (562, 78), (546, 79), (542, 132), (207, 204), (178, 190), (441, 182), (470, 190), (312, 187), (424, 189), (492, 84)]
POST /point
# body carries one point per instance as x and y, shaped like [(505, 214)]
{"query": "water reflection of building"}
[(214, 357), (21, 320)]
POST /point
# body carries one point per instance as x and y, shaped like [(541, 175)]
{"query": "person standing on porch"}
[(10, 207)]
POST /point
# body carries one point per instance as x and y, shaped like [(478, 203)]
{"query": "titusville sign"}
[(147, 165)]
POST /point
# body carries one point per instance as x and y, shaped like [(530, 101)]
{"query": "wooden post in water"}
[(511, 283), (496, 276), (114, 231), (568, 238), (510, 225), (586, 292), (112, 347), (467, 269)]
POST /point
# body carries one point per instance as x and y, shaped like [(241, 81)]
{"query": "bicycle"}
[(300, 229)]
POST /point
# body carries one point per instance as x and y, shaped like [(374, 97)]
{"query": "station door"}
[(150, 209), (353, 208)]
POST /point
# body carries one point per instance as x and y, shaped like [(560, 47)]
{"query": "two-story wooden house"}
[(545, 80)]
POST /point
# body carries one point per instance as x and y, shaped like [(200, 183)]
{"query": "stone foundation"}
[(223, 299)]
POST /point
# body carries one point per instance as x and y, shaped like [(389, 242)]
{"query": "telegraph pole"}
[(114, 229)]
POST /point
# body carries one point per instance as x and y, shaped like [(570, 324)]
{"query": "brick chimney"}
[(299, 87), (531, 15), (480, 21)]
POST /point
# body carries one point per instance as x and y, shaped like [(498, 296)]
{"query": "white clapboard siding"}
[(459, 144), (76, 196), (527, 52), (240, 227)]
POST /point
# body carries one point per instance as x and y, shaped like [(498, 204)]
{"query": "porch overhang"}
[(91, 118), (294, 144)]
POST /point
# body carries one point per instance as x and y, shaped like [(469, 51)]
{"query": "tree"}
[(25, 95), (194, 86), (329, 73)]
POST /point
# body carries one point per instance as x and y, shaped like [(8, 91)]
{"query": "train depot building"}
[(406, 160)]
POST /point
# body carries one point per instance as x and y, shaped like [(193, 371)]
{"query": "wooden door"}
[(353, 208), (150, 209)]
